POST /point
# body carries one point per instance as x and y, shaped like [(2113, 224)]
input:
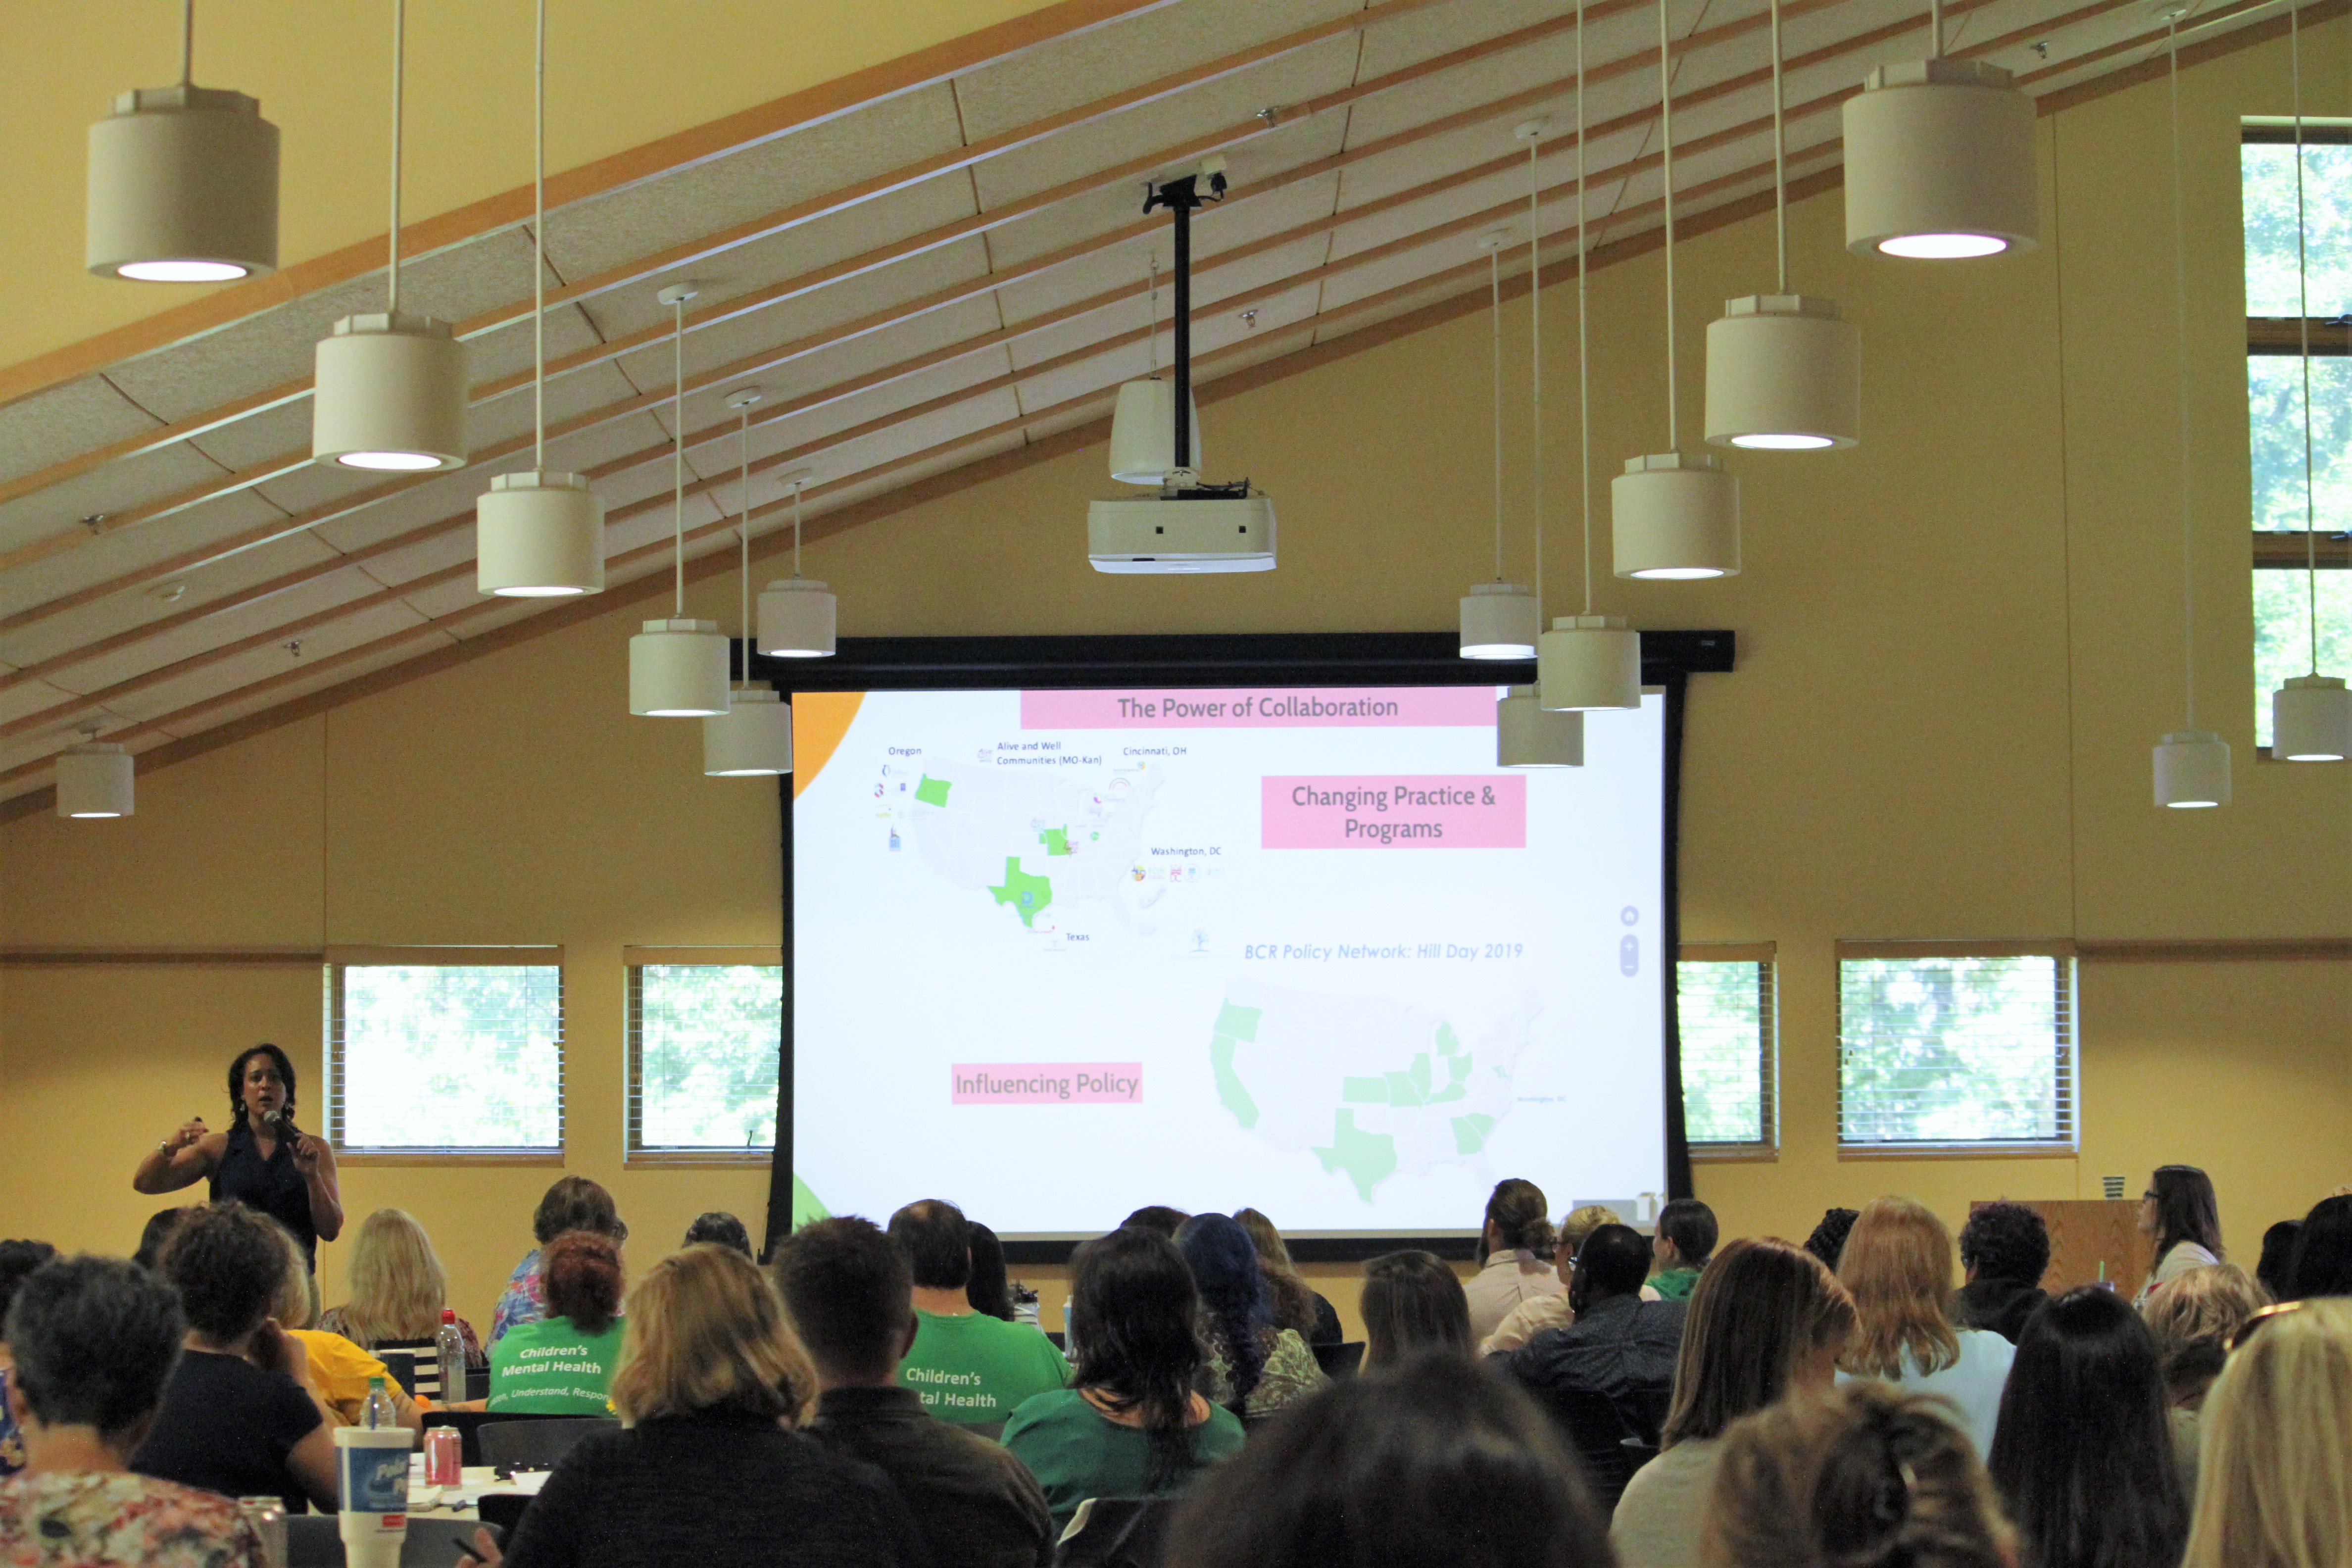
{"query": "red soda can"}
[(443, 1456)]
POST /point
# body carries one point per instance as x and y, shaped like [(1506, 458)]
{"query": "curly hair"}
[(2006, 1241), (1828, 1240), (228, 1262), (575, 1203), (2193, 1319), (94, 1340), (1233, 1297), (582, 1273), (236, 1081)]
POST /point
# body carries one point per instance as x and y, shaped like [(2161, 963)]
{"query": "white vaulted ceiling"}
[(944, 275)]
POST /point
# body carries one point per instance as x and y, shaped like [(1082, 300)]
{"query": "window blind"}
[(445, 1051), (1955, 1044), (705, 1040), (1727, 1017)]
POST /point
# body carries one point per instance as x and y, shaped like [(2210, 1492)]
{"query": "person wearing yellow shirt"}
[(339, 1369)]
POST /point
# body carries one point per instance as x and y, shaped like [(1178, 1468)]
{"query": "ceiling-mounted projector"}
[(1189, 526)]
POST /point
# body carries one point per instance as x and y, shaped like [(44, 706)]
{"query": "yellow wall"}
[(1957, 644)]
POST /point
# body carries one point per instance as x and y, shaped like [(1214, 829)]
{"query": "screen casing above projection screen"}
[(1001, 1143)]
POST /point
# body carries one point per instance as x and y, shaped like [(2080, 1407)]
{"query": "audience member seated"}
[(2278, 1256), (1413, 1302), (1255, 1368), (563, 1365), (1828, 1240), (17, 1261), (2274, 1489), (1515, 1248), (849, 1292), (2083, 1458), (398, 1290), (1608, 1374), (241, 1415), (94, 1340), (2179, 1214), (340, 1372), (1865, 1477), (1898, 1267), (1155, 1217), (573, 1203), (1432, 1464), (1296, 1304), (2321, 1264), (2193, 1320), (2004, 1252), (707, 1467), (1536, 1313), (1685, 1240), (1767, 1319), (718, 1229), (155, 1234), (968, 1368), (990, 1289), (1131, 1425)]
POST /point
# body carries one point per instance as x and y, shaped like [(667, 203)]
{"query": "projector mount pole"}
[(1181, 197)]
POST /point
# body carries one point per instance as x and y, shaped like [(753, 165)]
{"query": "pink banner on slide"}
[(1045, 1083), (1276, 707), (1436, 811)]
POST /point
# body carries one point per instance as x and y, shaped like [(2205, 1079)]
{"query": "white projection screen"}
[(1059, 953)]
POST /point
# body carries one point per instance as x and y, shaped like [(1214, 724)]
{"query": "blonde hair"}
[(1865, 1475), (1897, 1265), (706, 1332), (292, 1305), (1578, 1224), (2274, 1486), (398, 1286), (2192, 1318)]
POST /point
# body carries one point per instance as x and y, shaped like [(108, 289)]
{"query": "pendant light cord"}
[(399, 48), (1152, 298), (743, 531), (539, 244), (1583, 336), (1666, 192), (798, 485), (2303, 323), (1535, 357), (187, 43), (1495, 295), (2180, 325), (678, 447), (1935, 28), (1780, 158)]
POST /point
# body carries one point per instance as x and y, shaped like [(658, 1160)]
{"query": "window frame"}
[(1765, 955), (634, 960), (2068, 1145), (332, 1112)]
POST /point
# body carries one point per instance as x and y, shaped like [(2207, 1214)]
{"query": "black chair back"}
[(469, 1424), (1339, 1360), (405, 1364), (536, 1445), (1116, 1533), (1597, 1431), (315, 1540)]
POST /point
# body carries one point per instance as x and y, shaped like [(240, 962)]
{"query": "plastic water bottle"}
[(449, 1346), (379, 1411)]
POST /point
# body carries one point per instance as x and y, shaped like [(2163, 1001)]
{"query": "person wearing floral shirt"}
[(93, 1340), (575, 1203)]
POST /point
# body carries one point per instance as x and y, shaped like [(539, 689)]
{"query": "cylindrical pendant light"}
[(538, 536), (2311, 720), (1529, 735), (755, 734), (95, 779), (678, 668), (2192, 770), (1783, 371), (1499, 619), (183, 182), (1940, 159), (388, 390), (796, 613), (1675, 514)]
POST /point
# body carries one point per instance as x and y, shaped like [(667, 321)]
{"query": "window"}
[(705, 1035), (1946, 1045), (2281, 319), (445, 1051), (1729, 1031)]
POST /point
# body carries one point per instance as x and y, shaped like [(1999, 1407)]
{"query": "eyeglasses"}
[(2246, 1330)]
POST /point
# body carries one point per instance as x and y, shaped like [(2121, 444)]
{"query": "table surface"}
[(459, 1501)]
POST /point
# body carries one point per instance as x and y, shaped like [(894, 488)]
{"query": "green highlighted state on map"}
[(1028, 895), (1368, 1158), (931, 791), (1470, 1131), (1230, 1092), (1056, 841)]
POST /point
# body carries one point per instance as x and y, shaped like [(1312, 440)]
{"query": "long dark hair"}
[(2186, 1210), (986, 1287), (1760, 1308), (1413, 1302), (1132, 1310), (1520, 1215), (2083, 1453), (1233, 1304), (236, 1083), (2322, 1264)]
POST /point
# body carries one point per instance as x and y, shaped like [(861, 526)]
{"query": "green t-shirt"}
[(1076, 1453), (973, 1370), (1674, 1284), (550, 1368)]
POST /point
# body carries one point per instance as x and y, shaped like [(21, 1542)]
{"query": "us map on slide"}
[(1309, 944)]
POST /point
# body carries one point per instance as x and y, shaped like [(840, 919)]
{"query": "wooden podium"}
[(2085, 1234)]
